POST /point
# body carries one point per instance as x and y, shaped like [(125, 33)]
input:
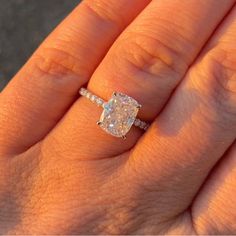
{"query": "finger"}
[(214, 210), (199, 123), (43, 90), (146, 62)]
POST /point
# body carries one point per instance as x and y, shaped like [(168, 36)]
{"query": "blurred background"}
[(23, 26)]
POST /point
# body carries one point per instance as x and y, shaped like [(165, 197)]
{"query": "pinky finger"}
[(214, 209)]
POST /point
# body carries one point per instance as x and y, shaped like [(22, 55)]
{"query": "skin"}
[(61, 174)]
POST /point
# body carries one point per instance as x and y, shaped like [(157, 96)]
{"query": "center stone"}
[(119, 114)]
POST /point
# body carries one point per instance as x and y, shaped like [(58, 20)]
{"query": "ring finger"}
[(146, 62)]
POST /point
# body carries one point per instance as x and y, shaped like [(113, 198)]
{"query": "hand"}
[(60, 173)]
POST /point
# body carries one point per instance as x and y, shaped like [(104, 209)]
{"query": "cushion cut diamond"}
[(119, 114)]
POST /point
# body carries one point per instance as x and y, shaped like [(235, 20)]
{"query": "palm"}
[(61, 174)]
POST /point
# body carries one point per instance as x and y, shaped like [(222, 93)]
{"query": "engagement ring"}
[(119, 113)]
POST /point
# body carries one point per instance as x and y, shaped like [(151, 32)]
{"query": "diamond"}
[(119, 114), (99, 101), (83, 92), (93, 98)]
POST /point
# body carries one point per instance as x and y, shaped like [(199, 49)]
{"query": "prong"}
[(99, 122), (139, 106), (124, 137), (104, 105)]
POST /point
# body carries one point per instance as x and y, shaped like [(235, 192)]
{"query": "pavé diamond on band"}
[(119, 113)]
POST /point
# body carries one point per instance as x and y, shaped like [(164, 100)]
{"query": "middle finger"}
[(146, 62)]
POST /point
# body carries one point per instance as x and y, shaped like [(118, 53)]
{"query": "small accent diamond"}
[(88, 95), (137, 122), (99, 102), (93, 98)]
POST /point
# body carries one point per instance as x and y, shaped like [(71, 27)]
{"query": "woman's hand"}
[(61, 174)]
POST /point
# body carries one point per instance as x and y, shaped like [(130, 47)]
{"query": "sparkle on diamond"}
[(119, 114)]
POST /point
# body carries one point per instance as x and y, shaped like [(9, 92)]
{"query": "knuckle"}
[(222, 67), (219, 73), (55, 61), (103, 11), (152, 56), (226, 63), (56, 69)]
